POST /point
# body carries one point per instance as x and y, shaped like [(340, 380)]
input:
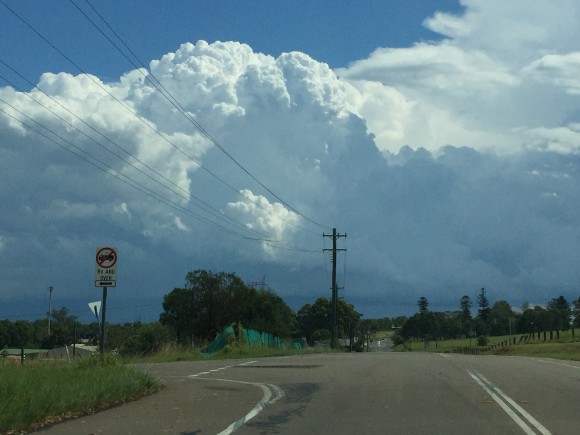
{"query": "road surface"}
[(358, 393)]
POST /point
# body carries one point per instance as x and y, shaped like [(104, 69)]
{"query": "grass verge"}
[(567, 347), (566, 351), (174, 352), (42, 393)]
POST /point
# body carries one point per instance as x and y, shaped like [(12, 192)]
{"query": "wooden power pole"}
[(334, 236)]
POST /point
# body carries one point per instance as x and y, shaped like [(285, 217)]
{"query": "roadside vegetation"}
[(194, 326), (548, 330), (41, 393), (566, 347)]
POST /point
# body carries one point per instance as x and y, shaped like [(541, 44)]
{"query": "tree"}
[(62, 329), (423, 304), (465, 318), (534, 320), (144, 339), (212, 297), (422, 325), (348, 320), (315, 317), (563, 313), (483, 312), (500, 317), (22, 333), (399, 322), (465, 305), (178, 314), (314, 320), (483, 304), (212, 301), (271, 314), (576, 312)]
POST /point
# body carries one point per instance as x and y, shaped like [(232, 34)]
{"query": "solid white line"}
[(559, 363), (265, 401), (279, 392), (518, 408), (503, 406)]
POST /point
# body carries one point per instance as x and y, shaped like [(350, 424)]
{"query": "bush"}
[(482, 340), (398, 339)]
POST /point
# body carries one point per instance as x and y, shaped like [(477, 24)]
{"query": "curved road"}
[(370, 393)]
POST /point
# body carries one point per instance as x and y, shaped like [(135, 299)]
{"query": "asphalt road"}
[(369, 393)]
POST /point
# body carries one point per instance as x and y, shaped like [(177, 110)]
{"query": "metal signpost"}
[(105, 277)]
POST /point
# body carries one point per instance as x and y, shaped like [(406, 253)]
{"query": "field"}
[(566, 347)]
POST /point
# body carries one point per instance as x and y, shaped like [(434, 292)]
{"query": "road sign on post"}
[(105, 277), (106, 267)]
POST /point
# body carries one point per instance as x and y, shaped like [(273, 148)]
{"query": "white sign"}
[(106, 267), (95, 308)]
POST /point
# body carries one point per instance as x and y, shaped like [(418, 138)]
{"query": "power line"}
[(172, 100), (148, 125), (105, 167), (185, 195)]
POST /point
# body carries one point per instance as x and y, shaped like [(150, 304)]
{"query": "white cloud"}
[(180, 225), (558, 70), (483, 86), (273, 219), (427, 219), (123, 210)]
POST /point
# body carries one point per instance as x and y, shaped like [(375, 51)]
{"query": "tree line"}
[(192, 315), (208, 302), (491, 320)]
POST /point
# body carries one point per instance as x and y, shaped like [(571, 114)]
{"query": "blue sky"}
[(335, 32), (443, 138)]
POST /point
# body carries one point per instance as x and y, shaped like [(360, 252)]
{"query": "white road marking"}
[(559, 363), (491, 389), (267, 399), (444, 355), (198, 374)]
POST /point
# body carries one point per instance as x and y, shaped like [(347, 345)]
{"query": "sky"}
[(442, 138)]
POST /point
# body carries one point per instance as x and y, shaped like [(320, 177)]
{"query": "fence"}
[(250, 337)]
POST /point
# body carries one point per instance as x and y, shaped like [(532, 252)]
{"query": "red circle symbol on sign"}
[(106, 258)]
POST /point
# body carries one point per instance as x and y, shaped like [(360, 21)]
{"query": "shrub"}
[(482, 340), (397, 339)]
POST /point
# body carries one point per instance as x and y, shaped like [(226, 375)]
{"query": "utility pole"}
[(49, 307), (334, 236)]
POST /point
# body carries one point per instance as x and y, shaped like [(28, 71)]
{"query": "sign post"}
[(105, 277)]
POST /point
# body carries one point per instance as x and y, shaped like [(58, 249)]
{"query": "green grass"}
[(567, 351), (173, 353), (40, 393), (566, 347)]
